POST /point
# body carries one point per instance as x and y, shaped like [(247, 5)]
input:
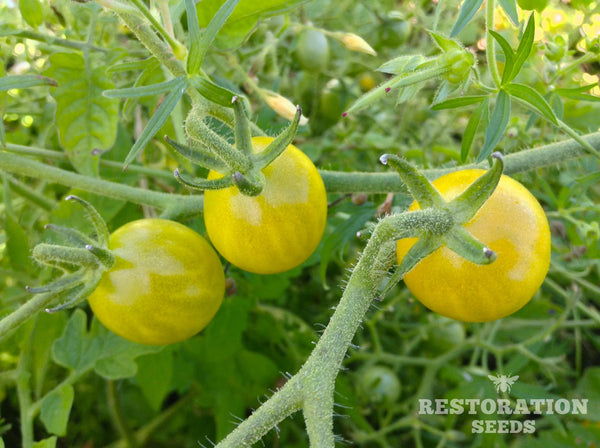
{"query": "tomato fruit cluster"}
[(166, 285), (276, 230), (513, 224)]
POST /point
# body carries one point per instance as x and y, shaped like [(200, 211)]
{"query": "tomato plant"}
[(276, 230), (166, 285), (513, 224)]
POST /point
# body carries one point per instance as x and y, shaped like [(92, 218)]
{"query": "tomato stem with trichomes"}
[(312, 388), (82, 265)]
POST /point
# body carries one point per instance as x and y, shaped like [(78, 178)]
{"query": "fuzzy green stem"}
[(188, 205), (490, 48), (31, 195), (51, 40), (312, 387), (22, 314), (151, 41), (24, 396), (161, 30), (118, 417), (527, 160)]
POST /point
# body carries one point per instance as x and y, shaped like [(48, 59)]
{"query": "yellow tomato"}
[(166, 285), (276, 230), (513, 224)]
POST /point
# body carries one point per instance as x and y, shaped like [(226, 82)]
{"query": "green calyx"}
[(237, 162), (82, 262), (441, 223)]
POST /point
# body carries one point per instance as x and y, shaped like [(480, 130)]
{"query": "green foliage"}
[(81, 92), (87, 121)]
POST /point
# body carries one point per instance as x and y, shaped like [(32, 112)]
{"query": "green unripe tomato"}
[(312, 52), (166, 285), (378, 385), (445, 335), (394, 32)]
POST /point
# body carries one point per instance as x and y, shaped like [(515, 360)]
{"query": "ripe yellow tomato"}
[(276, 230), (513, 224), (166, 285)]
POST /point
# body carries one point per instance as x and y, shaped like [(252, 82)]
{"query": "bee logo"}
[(503, 383)]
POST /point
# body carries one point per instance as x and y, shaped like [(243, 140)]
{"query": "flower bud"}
[(354, 42), (283, 107)]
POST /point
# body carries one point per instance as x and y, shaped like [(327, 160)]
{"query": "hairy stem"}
[(312, 388), (188, 205)]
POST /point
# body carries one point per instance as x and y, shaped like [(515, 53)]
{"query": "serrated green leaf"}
[(158, 119), (110, 355), (56, 408), (46, 443), (509, 54), (533, 99), (498, 123), (510, 7), (523, 51), (243, 19), (467, 11), (86, 120), (199, 44), (24, 82), (471, 129), (462, 101), (153, 89)]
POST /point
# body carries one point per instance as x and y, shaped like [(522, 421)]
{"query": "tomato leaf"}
[(56, 408), (155, 375), (86, 120), (467, 11), (230, 376), (158, 119), (212, 91), (509, 55), (533, 99), (577, 93), (243, 19), (522, 53), (453, 103), (110, 355), (498, 123), (471, 129), (46, 443), (32, 12), (135, 92), (17, 244), (200, 43), (24, 82)]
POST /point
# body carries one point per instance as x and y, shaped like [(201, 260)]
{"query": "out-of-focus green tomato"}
[(378, 385), (312, 52)]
